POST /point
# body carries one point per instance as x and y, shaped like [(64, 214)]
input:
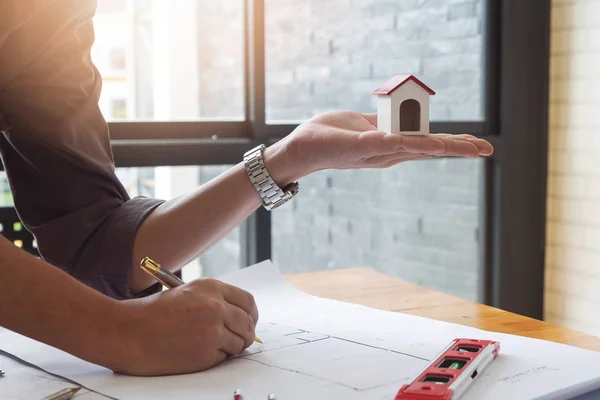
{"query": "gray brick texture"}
[(417, 221)]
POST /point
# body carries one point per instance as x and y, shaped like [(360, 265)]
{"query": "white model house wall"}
[(388, 108)]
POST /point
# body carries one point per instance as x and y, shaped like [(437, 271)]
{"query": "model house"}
[(403, 106)]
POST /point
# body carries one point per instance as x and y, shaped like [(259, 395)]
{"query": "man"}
[(89, 297)]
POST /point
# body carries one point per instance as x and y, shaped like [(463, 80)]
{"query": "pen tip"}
[(75, 390), (256, 339)]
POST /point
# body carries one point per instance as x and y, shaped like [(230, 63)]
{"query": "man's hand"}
[(186, 329), (348, 140), (181, 330)]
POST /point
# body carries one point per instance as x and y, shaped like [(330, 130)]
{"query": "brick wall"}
[(417, 221), (220, 39), (331, 54), (324, 54), (573, 242)]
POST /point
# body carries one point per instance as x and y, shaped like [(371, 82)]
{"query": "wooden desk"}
[(372, 289)]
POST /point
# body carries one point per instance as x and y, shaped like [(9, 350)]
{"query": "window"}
[(186, 62), (415, 221), (194, 100), (117, 59), (111, 6), (119, 108), (341, 53), (6, 199)]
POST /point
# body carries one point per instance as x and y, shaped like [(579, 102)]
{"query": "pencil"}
[(166, 277), (66, 394)]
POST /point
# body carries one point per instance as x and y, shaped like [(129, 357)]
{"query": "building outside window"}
[(119, 108)]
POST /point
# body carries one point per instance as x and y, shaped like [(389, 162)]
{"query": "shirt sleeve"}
[(55, 145)]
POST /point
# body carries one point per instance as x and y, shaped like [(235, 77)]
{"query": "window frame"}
[(516, 76), (516, 80)]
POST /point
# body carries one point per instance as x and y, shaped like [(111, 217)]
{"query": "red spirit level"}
[(451, 374)]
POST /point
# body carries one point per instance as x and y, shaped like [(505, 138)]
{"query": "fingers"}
[(458, 147), (393, 162), (241, 298), (393, 144), (392, 159), (438, 144), (240, 315), (231, 343), (380, 143), (485, 147), (240, 323)]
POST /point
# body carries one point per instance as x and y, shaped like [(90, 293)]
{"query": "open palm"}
[(347, 139)]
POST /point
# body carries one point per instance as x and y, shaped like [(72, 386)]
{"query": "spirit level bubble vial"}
[(453, 372)]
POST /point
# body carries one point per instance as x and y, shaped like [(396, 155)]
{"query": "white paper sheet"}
[(25, 383), (317, 348)]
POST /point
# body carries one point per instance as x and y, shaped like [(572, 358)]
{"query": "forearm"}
[(179, 230), (46, 304)]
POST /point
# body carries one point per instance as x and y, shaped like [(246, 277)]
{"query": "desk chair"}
[(12, 229)]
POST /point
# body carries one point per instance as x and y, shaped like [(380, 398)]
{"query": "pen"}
[(1, 373), (237, 394), (63, 394), (166, 277)]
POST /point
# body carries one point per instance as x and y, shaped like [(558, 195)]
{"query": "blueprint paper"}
[(317, 348), (22, 382)]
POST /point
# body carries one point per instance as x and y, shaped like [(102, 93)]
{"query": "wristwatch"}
[(272, 195)]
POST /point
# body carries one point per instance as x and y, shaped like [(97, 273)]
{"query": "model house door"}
[(410, 116)]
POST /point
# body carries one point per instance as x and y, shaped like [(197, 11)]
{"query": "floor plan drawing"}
[(333, 359), (322, 349)]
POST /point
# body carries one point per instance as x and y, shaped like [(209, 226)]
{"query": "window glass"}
[(6, 199), (119, 108), (417, 221), (332, 54), (170, 60)]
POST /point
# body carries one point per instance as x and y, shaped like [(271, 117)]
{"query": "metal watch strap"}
[(272, 195)]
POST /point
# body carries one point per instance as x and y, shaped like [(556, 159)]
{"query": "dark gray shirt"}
[(55, 144)]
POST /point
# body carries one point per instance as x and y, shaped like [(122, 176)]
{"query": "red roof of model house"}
[(390, 86)]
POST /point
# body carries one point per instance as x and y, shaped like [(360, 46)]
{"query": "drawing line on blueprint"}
[(321, 378), (381, 348), (303, 337), (303, 373), (298, 331)]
